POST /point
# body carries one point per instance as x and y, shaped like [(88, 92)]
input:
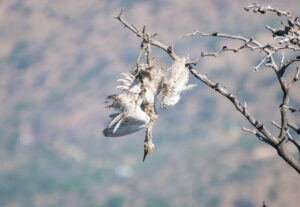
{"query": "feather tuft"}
[(176, 84)]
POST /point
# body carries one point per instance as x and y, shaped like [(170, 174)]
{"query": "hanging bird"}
[(137, 104), (176, 84)]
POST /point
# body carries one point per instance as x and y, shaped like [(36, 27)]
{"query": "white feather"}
[(139, 91), (122, 87), (115, 120), (131, 118), (176, 84), (153, 84)]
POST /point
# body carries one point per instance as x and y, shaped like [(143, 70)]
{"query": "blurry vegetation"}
[(19, 6), (46, 173), (114, 201), (22, 57), (208, 109), (158, 202), (245, 172), (243, 202), (214, 201), (93, 72)]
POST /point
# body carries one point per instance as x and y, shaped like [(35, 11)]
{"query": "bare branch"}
[(285, 101), (287, 47), (296, 76), (294, 127), (261, 9), (223, 91), (263, 60), (290, 138), (287, 64), (291, 109), (248, 43), (254, 132), (270, 139), (168, 49)]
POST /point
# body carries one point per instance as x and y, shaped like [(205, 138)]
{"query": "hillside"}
[(60, 59)]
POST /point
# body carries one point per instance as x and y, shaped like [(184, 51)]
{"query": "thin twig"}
[(260, 137), (262, 61), (294, 127), (168, 49), (291, 109)]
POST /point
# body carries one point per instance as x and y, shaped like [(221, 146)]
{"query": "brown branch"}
[(296, 76), (168, 49), (290, 138), (249, 43), (261, 9), (269, 138), (293, 110), (287, 64), (215, 54), (254, 132), (288, 158), (287, 47), (233, 99), (285, 99), (294, 127)]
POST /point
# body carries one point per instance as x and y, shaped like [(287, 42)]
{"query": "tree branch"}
[(168, 49), (233, 99), (294, 127), (259, 136)]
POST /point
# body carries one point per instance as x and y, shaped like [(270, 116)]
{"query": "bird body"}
[(130, 117), (137, 104)]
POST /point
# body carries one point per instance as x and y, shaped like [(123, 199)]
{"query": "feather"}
[(128, 126), (130, 123), (128, 77), (125, 82), (124, 88), (153, 81), (137, 104), (117, 125), (176, 84), (130, 118), (115, 119)]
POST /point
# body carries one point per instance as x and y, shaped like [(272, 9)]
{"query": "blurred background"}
[(60, 59)]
